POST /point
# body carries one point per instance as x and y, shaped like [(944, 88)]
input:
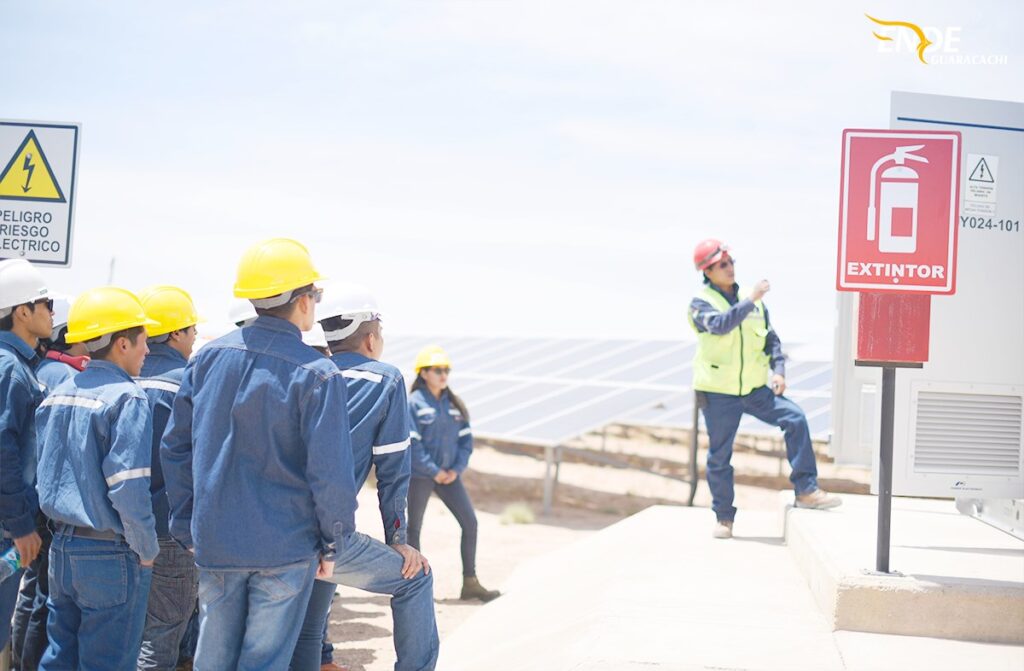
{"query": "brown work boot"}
[(332, 666), (723, 529), (819, 499), (472, 589)]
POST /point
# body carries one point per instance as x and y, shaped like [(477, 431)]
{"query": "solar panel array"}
[(545, 391)]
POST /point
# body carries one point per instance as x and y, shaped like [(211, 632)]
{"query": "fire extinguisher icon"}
[(895, 218)]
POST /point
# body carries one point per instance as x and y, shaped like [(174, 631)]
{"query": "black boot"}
[(472, 589)]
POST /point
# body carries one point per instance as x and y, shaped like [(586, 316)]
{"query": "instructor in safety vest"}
[(736, 351)]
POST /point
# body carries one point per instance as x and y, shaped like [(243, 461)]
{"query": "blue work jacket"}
[(20, 395), (94, 458), (379, 415), (51, 374), (160, 379), (257, 455), (441, 437)]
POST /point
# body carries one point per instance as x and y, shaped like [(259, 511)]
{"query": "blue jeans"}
[(249, 620), (309, 649), (97, 605), (172, 598), (369, 565), (722, 415), (8, 596), (29, 628)]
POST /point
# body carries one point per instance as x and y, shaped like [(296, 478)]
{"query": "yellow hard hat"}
[(170, 307), (273, 267), (98, 312), (430, 356)]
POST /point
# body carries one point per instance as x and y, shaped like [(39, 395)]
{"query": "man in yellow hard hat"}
[(175, 578), (95, 432), (258, 463)]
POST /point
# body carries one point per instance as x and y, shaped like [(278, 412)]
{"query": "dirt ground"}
[(588, 498)]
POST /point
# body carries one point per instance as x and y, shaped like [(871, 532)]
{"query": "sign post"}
[(899, 197)]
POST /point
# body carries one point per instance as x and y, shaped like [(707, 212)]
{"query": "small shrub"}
[(517, 513)]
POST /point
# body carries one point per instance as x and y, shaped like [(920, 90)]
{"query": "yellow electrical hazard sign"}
[(28, 175)]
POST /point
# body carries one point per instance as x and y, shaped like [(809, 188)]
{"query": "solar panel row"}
[(546, 391)]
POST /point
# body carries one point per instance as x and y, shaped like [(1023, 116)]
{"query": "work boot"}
[(332, 666), (472, 589), (819, 499), (723, 529)]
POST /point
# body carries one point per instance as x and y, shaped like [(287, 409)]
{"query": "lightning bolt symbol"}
[(29, 168)]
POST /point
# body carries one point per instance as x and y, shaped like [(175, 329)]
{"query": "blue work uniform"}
[(52, 373), (20, 395), (172, 596), (160, 379), (441, 437), (30, 614), (257, 455), (723, 412), (257, 458), (379, 417), (95, 432)]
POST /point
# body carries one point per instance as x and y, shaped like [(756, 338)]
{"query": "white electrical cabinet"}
[(959, 426)]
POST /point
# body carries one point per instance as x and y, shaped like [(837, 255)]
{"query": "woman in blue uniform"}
[(441, 444)]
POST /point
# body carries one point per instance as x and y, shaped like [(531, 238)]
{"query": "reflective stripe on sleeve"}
[(363, 375), (416, 435), (159, 384), (465, 432), (130, 474), (79, 401), (388, 449)]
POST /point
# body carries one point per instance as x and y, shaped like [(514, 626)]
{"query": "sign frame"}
[(69, 192), (843, 283)]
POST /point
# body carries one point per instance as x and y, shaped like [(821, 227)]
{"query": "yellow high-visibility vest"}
[(734, 363)]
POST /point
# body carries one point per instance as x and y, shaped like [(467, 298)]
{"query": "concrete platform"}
[(656, 592), (962, 579)]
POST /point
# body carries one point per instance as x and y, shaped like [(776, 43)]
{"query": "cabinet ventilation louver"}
[(968, 434)]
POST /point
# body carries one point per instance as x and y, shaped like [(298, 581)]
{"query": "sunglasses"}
[(48, 302), (725, 263), (316, 294)]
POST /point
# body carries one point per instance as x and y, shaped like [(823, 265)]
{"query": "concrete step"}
[(656, 593), (961, 579)]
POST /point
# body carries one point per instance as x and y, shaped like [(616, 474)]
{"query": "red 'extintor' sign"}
[(898, 205)]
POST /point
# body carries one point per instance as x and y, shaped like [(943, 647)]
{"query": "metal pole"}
[(549, 486), (694, 473), (885, 470)]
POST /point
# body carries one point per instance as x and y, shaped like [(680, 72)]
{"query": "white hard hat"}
[(61, 309), (349, 301), (241, 312), (20, 283), (314, 337)]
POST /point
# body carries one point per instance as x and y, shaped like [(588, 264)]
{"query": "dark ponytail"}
[(418, 383)]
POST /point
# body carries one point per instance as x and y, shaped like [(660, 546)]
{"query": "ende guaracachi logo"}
[(932, 45)]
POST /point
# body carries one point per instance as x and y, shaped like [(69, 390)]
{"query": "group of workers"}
[(165, 503), (173, 507)]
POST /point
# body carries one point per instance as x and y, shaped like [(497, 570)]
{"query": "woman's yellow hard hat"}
[(430, 356)]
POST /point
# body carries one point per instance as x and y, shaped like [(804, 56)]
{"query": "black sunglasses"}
[(48, 302)]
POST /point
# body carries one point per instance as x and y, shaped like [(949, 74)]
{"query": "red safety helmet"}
[(709, 252)]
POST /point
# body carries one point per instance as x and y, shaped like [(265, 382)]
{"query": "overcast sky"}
[(487, 168)]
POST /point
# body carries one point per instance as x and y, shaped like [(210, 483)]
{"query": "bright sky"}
[(487, 168)]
